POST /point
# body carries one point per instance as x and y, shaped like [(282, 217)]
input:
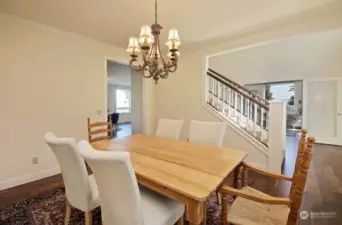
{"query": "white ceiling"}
[(113, 21)]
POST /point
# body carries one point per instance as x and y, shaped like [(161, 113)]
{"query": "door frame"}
[(147, 116), (323, 140)]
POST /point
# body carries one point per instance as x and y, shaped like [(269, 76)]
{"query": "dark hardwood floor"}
[(32, 189), (322, 197)]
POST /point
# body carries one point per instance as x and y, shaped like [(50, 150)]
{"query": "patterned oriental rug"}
[(49, 209)]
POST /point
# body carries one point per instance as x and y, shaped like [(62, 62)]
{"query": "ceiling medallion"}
[(149, 46)]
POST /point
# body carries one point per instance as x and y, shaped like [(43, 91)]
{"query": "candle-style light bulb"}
[(133, 47)]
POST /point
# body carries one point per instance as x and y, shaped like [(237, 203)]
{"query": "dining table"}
[(186, 172)]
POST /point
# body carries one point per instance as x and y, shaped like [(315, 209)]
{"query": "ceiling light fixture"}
[(149, 46)]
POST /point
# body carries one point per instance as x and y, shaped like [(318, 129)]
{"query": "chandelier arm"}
[(173, 69), (147, 76), (164, 73), (169, 64), (146, 68), (138, 67), (146, 60), (172, 63)]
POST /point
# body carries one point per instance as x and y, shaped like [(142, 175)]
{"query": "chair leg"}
[(205, 216), (181, 221), (88, 218), (224, 212), (67, 212)]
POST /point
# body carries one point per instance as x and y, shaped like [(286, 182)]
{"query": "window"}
[(123, 101)]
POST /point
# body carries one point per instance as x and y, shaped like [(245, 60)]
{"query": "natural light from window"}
[(123, 101)]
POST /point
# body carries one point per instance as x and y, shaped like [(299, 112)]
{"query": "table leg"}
[(195, 212), (237, 177)]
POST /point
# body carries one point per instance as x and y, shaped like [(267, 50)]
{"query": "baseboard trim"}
[(28, 178), (125, 122)]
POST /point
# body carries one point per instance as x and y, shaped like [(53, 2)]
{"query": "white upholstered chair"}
[(80, 189), (121, 200), (169, 128), (207, 133)]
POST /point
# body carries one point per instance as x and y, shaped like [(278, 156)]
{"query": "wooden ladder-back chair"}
[(254, 207), (102, 130)]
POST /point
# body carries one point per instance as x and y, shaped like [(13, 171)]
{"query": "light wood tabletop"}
[(184, 171)]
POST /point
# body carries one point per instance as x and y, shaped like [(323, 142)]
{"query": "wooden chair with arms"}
[(100, 128), (254, 207)]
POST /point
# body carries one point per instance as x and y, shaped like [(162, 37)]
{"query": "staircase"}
[(261, 122)]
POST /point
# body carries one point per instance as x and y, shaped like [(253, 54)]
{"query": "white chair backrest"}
[(208, 133), (74, 171), (117, 184), (169, 128)]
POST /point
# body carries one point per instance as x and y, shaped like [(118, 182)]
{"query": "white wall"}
[(137, 102), (302, 57), (181, 95), (258, 89), (50, 80)]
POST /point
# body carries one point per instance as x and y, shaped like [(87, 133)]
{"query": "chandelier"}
[(148, 44)]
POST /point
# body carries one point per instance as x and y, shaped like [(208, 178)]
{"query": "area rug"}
[(49, 209)]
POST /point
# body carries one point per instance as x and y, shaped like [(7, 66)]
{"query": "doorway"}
[(124, 91), (323, 109)]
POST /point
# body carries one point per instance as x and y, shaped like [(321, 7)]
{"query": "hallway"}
[(125, 129)]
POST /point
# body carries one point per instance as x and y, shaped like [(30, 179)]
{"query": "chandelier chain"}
[(155, 11)]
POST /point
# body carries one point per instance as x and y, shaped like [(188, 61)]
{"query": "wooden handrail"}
[(231, 86), (261, 100)]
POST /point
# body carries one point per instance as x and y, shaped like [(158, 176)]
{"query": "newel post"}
[(276, 135)]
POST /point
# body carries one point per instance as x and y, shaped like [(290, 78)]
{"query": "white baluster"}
[(235, 104), (241, 110), (210, 92), (262, 124), (219, 96), (224, 100), (229, 100), (223, 97), (255, 119), (216, 93), (247, 114)]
